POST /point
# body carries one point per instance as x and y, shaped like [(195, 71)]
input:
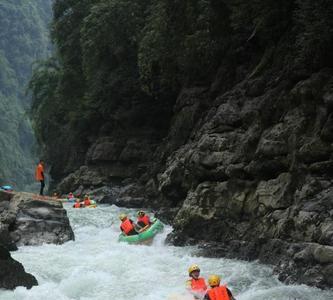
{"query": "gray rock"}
[(130, 202), (256, 87), (34, 222), (326, 232), (314, 150), (104, 150), (328, 98), (83, 179), (274, 194), (328, 274), (324, 254), (323, 167), (305, 255), (327, 131)]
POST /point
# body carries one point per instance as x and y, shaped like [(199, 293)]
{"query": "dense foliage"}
[(112, 54), (23, 40)]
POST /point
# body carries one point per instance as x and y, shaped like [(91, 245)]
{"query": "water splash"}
[(97, 267)]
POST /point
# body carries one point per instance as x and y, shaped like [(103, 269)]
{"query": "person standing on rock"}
[(39, 174)]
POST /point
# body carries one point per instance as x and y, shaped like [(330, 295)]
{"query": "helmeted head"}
[(122, 217), (77, 200), (141, 213), (214, 280), (194, 271), (86, 196)]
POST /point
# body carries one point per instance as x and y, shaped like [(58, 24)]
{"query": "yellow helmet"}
[(122, 217), (141, 213), (214, 280), (193, 268)]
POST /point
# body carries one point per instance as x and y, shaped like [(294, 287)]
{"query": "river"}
[(96, 267)]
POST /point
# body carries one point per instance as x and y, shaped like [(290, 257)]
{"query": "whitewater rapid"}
[(96, 267)]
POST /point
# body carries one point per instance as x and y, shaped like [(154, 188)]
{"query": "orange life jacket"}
[(87, 202), (145, 219), (39, 172), (198, 285), (127, 226), (218, 293), (77, 205)]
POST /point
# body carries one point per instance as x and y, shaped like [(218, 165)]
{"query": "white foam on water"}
[(96, 267)]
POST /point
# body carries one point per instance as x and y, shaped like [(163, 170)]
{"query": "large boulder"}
[(33, 220), (38, 221)]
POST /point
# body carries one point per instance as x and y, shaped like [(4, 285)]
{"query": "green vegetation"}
[(23, 40), (111, 54)]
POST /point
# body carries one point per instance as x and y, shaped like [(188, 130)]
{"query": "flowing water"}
[(97, 267)]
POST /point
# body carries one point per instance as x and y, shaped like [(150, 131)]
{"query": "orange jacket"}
[(77, 205), (145, 219), (87, 202), (218, 293), (198, 285), (39, 173), (126, 226)]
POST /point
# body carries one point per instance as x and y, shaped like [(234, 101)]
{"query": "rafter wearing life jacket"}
[(127, 226), (217, 291), (196, 285), (77, 204), (86, 201), (143, 220)]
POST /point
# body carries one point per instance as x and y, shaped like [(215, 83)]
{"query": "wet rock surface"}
[(27, 219)]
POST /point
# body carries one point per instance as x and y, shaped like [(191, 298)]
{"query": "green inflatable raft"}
[(145, 236)]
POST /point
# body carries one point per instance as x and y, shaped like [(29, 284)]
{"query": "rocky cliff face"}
[(255, 175), (251, 166), (26, 220)]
